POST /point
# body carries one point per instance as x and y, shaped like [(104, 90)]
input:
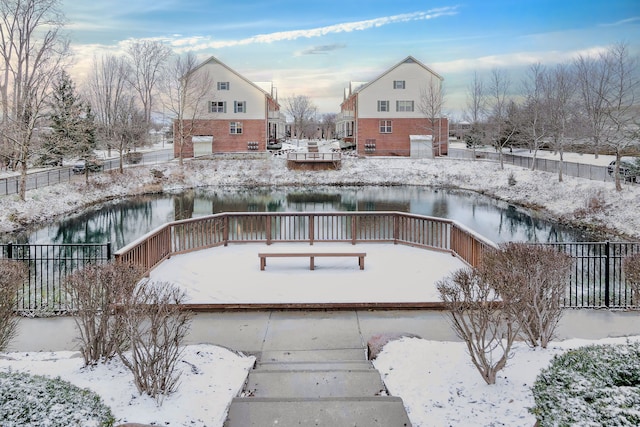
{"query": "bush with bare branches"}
[(631, 265), (478, 319), (155, 325), (12, 277), (532, 280), (93, 292)]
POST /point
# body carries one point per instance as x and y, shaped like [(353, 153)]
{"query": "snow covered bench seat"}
[(312, 255)]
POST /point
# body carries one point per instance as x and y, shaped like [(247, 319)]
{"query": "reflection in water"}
[(124, 221)]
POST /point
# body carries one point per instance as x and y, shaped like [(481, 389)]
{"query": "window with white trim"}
[(398, 84), (404, 105), (385, 126), (223, 85), (235, 128), (383, 105), (239, 106), (217, 107)]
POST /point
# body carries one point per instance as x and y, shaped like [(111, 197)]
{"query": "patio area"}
[(394, 275)]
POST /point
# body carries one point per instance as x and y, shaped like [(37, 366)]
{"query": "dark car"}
[(274, 144), (628, 171), (133, 157), (92, 165)]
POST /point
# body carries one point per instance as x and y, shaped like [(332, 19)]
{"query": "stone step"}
[(314, 366), (384, 411), (314, 383), (332, 355)]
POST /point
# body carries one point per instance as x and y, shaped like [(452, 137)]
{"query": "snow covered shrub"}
[(591, 386), (155, 325), (35, 401), (12, 276), (632, 273), (532, 281), (476, 316), (93, 292), (511, 179), (595, 202)]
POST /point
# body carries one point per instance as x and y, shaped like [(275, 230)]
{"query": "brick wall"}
[(223, 141), (396, 143)]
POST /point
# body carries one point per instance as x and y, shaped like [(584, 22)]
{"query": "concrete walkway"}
[(312, 367), (313, 370), (258, 331)]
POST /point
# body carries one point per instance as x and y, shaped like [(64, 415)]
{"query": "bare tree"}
[(431, 104), (560, 93), (328, 125), (93, 293), (478, 319), (12, 277), (130, 128), (32, 52), (475, 112), (155, 325), (534, 112), (532, 281), (631, 266), (620, 102), (186, 89), (109, 90), (592, 78), (497, 96), (147, 59), (303, 112)]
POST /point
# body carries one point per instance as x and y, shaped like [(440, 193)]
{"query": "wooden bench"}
[(312, 256)]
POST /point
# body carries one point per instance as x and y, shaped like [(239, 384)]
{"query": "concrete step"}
[(384, 411), (315, 366), (314, 383), (332, 355)]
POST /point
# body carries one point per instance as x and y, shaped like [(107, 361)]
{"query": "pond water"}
[(123, 221)]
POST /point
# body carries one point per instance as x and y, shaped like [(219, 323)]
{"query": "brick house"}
[(389, 116), (239, 115)]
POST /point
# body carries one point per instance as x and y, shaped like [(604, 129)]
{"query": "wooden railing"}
[(314, 157), (309, 227)]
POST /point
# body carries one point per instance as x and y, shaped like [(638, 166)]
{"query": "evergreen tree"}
[(72, 123)]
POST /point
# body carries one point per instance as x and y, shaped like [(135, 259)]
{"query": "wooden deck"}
[(310, 227)]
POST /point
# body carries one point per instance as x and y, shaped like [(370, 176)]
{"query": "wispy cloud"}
[(322, 49), (621, 22), (344, 27), (514, 60)]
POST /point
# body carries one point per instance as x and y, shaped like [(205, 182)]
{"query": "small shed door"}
[(202, 145), (421, 146)]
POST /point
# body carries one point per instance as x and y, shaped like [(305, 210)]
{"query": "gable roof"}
[(408, 60), (214, 60)]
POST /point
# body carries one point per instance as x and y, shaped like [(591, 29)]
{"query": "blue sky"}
[(315, 48)]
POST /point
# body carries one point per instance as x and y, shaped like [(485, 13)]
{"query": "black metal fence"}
[(597, 277), (48, 266)]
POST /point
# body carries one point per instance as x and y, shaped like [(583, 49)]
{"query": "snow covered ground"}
[(435, 379), (210, 377), (440, 386), (289, 280), (577, 201)]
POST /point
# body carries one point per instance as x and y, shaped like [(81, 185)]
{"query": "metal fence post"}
[(607, 281), (10, 250)]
